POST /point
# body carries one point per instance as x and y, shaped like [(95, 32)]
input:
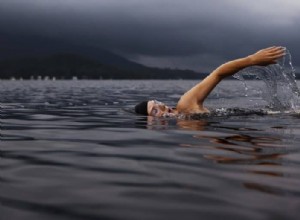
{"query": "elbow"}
[(218, 75), (224, 71)]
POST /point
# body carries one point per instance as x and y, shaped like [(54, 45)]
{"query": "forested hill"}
[(34, 57), (69, 65), (40, 58)]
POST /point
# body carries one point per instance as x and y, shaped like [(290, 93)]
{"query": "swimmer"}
[(192, 101)]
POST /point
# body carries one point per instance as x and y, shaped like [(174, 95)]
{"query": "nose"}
[(162, 107)]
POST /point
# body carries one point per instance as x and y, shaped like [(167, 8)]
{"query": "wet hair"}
[(142, 108)]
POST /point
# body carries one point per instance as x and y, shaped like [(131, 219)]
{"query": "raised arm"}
[(192, 100)]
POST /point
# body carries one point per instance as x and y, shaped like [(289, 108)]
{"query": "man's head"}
[(153, 108), (142, 108)]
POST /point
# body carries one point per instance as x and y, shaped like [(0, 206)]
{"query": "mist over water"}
[(280, 88)]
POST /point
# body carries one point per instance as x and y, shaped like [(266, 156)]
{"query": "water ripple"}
[(70, 151)]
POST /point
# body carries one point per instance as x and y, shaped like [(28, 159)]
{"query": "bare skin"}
[(192, 101)]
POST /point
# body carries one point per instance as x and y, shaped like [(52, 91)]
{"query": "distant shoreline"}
[(107, 79), (71, 66)]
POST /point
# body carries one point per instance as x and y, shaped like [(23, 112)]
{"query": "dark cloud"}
[(172, 33)]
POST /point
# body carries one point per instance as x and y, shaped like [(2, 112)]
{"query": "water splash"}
[(281, 91)]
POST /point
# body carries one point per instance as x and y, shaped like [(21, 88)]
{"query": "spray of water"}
[(281, 91)]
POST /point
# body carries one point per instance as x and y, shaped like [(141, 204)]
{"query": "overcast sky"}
[(194, 34)]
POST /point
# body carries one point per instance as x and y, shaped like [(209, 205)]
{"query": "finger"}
[(270, 48), (277, 56), (275, 49), (278, 52)]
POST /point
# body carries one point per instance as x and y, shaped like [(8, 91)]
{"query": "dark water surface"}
[(72, 150)]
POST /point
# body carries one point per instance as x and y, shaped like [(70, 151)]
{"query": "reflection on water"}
[(69, 150), (265, 154)]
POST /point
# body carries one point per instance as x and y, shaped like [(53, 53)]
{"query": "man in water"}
[(192, 101)]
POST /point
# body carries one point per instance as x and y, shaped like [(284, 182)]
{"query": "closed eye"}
[(154, 111)]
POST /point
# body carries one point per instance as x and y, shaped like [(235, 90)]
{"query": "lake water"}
[(73, 150)]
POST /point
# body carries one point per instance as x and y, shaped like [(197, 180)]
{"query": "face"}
[(158, 109)]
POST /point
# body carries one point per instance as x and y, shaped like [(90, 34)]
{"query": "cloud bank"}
[(167, 33)]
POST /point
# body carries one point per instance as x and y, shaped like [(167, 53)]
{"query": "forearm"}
[(232, 67), (262, 58)]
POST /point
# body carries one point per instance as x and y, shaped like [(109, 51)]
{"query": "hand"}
[(267, 56)]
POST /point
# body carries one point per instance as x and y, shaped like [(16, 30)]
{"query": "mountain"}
[(13, 47), (34, 56), (67, 66)]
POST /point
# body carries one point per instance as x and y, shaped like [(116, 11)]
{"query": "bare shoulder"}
[(187, 105)]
